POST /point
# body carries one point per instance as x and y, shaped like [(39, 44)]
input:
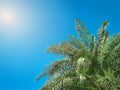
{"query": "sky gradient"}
[(37, 24)]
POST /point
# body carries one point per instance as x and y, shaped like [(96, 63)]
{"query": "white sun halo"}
[(10, 22), (7, 17)]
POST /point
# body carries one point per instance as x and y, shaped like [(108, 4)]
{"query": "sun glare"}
[(10, 22), (7, 17)]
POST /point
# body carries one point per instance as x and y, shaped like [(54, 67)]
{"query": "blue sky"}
[(37, 24)]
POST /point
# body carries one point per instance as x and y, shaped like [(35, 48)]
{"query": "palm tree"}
[(88, 63)]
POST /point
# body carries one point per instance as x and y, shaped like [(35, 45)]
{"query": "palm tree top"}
[(89, 62)]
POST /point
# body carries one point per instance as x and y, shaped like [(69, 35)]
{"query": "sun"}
[(7, 17), (9, 23), (13, 22)]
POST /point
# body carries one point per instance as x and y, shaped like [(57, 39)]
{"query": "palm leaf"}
[(83, 33)]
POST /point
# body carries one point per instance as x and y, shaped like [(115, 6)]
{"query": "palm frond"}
[(78, 44), (83, 33), (102, 31), (63, 49)]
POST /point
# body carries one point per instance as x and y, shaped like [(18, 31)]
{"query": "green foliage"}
[(89, 63)]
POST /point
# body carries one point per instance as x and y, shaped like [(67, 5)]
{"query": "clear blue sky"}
[(41, 23)]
